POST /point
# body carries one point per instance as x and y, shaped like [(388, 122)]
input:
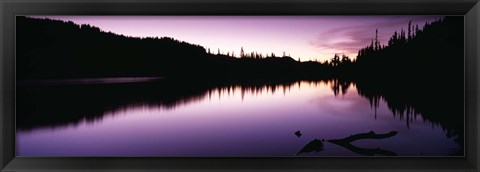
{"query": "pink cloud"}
[(349, 39)]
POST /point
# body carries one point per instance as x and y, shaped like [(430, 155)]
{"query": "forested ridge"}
[(57, 49)]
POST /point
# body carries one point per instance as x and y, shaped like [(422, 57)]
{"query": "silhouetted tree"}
[(242, 53), (335, 60), (345, 59), (377, 44), (409, 30)]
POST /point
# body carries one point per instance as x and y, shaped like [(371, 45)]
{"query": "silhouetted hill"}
[(56, 49), (49, 48)]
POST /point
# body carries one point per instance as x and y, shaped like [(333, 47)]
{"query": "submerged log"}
[(313, 146), (369, 135), (346, 143)]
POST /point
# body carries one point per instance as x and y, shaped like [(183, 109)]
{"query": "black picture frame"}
[(11, 8)]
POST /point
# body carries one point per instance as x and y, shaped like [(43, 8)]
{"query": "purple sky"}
[(304, 37)]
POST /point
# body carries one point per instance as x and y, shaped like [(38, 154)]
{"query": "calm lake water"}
[(246, 120)]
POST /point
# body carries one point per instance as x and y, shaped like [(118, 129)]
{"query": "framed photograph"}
[(251, 85)]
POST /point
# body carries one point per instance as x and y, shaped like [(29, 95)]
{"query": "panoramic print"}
[(240, 86)]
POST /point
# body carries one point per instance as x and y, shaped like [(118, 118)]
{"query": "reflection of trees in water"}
[(52, 106), (92, 101), (435, 102), (62, 105), (339, 85), (406, 104)]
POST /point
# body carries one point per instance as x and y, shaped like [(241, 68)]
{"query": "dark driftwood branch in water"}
[(313, 146), (365, 151), (317, 145), (346, 143), (369, 135)]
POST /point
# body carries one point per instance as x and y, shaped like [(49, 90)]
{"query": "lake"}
[(248, 119)]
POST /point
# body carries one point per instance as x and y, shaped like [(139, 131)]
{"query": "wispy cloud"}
[(350, 39)]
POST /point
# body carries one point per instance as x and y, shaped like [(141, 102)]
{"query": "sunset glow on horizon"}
[(302, 37)]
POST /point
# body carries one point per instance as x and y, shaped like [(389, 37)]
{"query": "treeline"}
[(419, 71), (57, 49), (416, 67), (436, 50), (243, 54)]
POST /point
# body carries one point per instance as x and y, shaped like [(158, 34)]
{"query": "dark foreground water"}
[(246, 120)]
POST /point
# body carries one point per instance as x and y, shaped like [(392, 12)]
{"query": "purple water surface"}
[(238, 122)]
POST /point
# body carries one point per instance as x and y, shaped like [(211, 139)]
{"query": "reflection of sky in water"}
[(229, 123)]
